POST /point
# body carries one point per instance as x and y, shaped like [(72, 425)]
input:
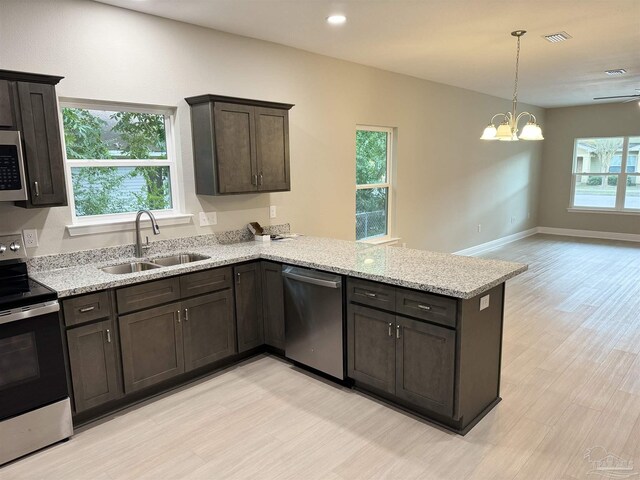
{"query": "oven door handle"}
[(23, 313)]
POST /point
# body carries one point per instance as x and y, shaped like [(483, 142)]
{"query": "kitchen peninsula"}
[(422, 330)]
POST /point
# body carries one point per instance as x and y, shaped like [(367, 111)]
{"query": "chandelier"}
[(507, 131)]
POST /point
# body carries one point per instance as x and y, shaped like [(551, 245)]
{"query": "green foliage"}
[(83, 135), (594, 181), (128, 135), (371, 168)]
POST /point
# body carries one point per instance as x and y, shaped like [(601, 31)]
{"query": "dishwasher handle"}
[(315, 281)]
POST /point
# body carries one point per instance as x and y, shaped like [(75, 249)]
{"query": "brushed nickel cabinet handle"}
[(108, 336), (424, 307), (260, 179), (87, 309), (254, 179), (238, 278), (369, 294), (186, 314), (179, 318), (36, 189), (390, 331), (397, 331)]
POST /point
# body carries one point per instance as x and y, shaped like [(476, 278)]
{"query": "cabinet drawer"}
[(425, 306), (147, 295), (86, 308), (205, 282), (371, 293)]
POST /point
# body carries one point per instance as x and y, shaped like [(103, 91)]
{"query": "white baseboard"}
[(483, 247), (568, 232)]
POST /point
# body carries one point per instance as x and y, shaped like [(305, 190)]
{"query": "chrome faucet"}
[(140, 249)]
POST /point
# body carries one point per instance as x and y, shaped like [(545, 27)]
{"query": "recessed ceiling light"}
[(336, 19), (616, 72), (557, 37)]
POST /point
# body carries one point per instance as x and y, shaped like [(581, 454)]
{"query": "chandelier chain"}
[(515, 87)]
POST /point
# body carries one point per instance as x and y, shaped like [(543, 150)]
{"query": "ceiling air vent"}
[(557, 37), (616, 72)]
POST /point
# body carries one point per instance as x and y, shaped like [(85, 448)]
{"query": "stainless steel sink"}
[(178, 259), (131, 267)]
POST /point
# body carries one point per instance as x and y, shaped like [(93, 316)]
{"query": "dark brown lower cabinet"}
[(371, 347), (410, 359), (425, 365), (152, 346), (249, 306), (273, 304), (209, 329), (94, 364)]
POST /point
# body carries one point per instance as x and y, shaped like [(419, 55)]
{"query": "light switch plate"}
[(272, 211), (484, 302), (30, 237), (208, 218)]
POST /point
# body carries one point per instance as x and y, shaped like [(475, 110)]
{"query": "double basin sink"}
[(142, 266)]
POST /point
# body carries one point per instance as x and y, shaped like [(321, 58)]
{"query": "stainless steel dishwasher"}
[(313, 319)]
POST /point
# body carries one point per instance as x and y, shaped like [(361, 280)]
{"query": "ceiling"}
[(465, 43)]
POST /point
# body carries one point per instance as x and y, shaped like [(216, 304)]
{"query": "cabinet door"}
[(425, 365), (371, 347), (152, 348), (273, 304), (235, 148), (6, 113), (272, 148), (94, 364), (209, 329), (43, 146), (249, 306)]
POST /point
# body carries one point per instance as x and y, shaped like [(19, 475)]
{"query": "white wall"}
[(448, 181)]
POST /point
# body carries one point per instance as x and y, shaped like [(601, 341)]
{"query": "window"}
[(120, 160), (373, 182), (606, 175)]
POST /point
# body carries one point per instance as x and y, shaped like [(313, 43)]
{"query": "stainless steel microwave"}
[(12, 177)]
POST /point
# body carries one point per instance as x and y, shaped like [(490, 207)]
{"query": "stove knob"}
[(2, 248), (14, 247)]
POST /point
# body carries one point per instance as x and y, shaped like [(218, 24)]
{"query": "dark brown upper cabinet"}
[(28, 103), (239, 145)]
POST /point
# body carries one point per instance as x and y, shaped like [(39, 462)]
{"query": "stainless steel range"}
[(34, 399)]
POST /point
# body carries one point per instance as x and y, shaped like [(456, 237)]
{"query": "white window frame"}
[(388, 238), (621, 189), (124, 221)]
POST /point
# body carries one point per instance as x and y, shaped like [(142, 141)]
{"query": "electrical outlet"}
[(272, 211), (479, 227), (213, 218), (204, 221), (484, 302), (30, 238)]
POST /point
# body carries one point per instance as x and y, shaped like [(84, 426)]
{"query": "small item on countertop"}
[(255, 228), (262, 238)]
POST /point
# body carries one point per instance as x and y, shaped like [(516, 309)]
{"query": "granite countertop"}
[(446, 274)]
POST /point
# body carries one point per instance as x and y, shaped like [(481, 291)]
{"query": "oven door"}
[(32, 370)]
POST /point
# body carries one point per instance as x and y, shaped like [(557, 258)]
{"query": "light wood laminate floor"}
[(570, 383)]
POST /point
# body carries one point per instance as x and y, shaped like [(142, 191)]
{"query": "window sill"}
[(382, 241), (122, 225), (602, 210)]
